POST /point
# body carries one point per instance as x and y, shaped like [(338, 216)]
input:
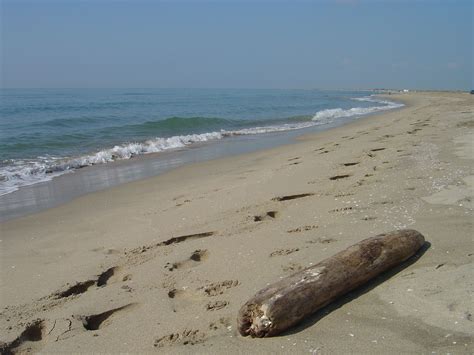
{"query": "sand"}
[(164, 264)]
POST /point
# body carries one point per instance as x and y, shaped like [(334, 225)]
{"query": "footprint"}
[(223, 322), (140, 249), (172, 266), (386, 202), (344, 194), (295, 158), (183, 293), (106, 277), (322, 241), (97, 321), (341, 209), (326, 240), (360, 183), (76, 289), (351, 164), (196, 257), (185, 237), (292, 267), (36, 333), (174, 293), (269, 214), (182, 203), (216, 305), (111, 275), (291, 197), (174, 240), (186, 337), (302, 229), (199, 255), (281, 252), (29, 340), (338, 177), (218, 288)]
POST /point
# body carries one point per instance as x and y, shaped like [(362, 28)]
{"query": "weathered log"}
[(284, 303)]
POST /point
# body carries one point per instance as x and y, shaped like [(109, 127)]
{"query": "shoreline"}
[(407, 168), (40, 166), (66, 187)]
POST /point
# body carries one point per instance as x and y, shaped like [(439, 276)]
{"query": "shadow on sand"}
[(348, 297)]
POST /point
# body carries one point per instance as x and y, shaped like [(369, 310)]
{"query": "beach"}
[(163, 264)]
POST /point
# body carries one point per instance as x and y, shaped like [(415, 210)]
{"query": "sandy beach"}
[(164, 264)]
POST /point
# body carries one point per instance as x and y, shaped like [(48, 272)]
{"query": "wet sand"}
[(164, 264)]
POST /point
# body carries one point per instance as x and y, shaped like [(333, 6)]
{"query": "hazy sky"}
[(237, 44)]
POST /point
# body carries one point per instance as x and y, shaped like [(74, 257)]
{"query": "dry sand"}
[(113, 271)]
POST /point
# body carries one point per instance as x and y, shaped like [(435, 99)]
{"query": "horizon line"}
[(236, 88)]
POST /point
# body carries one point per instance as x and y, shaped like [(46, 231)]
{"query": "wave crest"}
[(17, 173), (329, 114)]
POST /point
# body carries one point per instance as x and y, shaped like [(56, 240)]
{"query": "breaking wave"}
[(22, 172), (356, 111)]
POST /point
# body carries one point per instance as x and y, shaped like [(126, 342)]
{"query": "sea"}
[(48, 133)]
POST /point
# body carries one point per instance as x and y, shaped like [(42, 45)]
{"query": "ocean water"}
[(46, 133)]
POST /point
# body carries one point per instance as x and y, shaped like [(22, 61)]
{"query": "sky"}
[(338, 44)]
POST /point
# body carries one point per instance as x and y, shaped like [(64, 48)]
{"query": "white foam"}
[(331, 114), (24, 173), (15, 174), (270, 129)]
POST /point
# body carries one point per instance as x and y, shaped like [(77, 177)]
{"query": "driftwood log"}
[(284, 303)]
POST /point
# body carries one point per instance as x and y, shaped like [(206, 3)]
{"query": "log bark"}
[(284, 303)]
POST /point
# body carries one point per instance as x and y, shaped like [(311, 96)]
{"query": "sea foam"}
[(17, 173), (327, 115)]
